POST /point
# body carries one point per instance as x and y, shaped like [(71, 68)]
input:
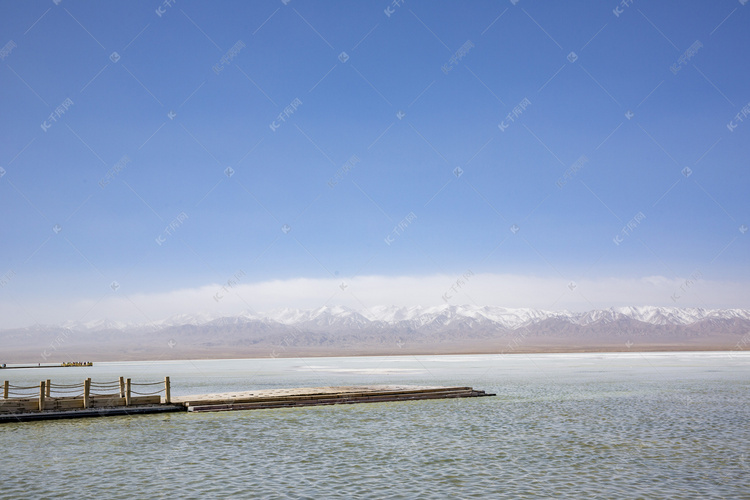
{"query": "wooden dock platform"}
[(47, 407), (314, 396), (32, 416), (49, 400)]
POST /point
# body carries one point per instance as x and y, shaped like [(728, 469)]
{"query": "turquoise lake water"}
[(625, 425)]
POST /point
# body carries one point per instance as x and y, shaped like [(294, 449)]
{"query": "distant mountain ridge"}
[(338, 331), (417, 317)]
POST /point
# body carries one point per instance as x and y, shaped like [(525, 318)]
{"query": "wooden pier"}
[(49, 400), (66, 364), (119, 398), (315, 396)]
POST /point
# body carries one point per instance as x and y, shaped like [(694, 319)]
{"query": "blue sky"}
[(459, 124)]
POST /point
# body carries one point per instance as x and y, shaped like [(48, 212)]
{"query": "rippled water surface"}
[(667, 425)]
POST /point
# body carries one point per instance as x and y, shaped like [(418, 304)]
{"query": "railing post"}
[(86, 393), (5, 390), (122, 387), (42, 392), (127, 392), (167, 395), (48, 386)]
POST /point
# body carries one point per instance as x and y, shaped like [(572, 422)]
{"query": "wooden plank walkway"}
[(86, 399), (21, 410), (313, 396)]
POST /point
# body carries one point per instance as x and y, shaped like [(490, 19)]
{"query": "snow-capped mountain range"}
[(341, 331), (417, 317)]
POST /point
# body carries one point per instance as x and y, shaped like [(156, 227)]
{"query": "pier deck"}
[(20, 410), (89, 413), (313, 396)]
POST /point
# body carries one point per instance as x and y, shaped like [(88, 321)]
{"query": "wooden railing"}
[(49, 396)]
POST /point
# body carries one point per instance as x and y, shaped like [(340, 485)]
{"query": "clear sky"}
[(548, 154)]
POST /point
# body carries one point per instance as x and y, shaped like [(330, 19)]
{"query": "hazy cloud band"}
[(364, 292)]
